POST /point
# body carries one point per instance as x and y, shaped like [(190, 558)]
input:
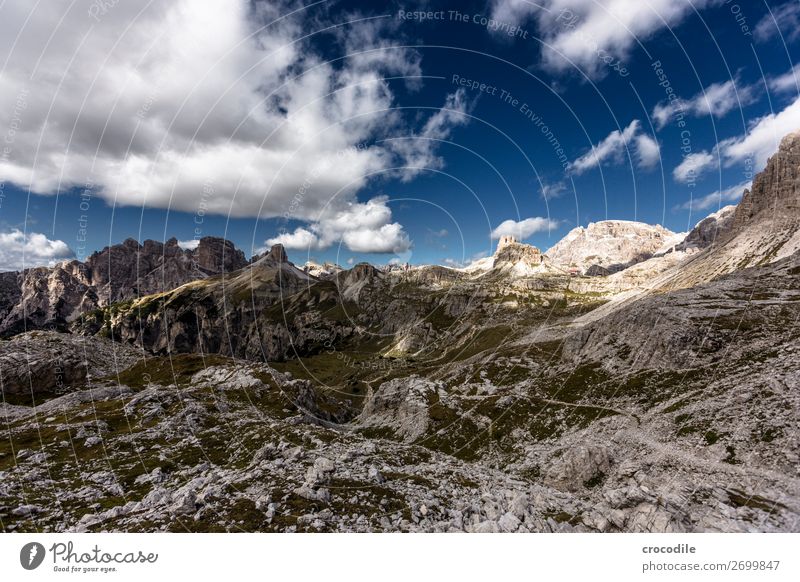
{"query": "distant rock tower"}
[(278, 254), (505, 241)]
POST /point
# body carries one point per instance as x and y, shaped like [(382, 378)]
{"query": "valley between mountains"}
[(628, 379)]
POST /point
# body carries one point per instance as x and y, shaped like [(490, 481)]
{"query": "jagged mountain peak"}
[(514, 252), (775, 193), (322, 270), (519, 260), (611, 245), (361, 272), (278, 254), (709, 230), (55, 296)]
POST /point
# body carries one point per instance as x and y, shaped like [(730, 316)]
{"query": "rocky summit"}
[(611, 245), (52, 297), (628, 379)]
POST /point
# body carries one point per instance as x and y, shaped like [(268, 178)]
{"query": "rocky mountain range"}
[(51, 297), (629, 379)]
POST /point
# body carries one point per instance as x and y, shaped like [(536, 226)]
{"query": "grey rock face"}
[(10, 292), (709, 230), (256, 313), (325, 271), (215, 256), (610, 244), (401, 405), (53, 297), (361, 272), (130, 270), (278, 254), (48, 297), (513, 252), (697, 326), (776, 190), (764, 227), (37, 363), (580, 467), (33, 367)]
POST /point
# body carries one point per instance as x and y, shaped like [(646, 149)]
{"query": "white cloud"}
[(752, 149), (717, 199), (300, 239), (388, 238), (762, 138), (513, 11), (362, 227), (193, 106), (552, 191), (613, 147), (789, 82), (648, 152), (662, 113), (783, 20), (524, 228), (19, 250), (693, 166), (610, 148), (417, 152), (718, 99), (589, 32)]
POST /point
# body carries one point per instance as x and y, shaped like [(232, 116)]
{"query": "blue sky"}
[(410, 131)]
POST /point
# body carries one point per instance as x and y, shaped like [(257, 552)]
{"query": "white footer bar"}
[(356, 557)]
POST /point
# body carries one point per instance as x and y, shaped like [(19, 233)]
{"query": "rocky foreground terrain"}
[(629, 379)]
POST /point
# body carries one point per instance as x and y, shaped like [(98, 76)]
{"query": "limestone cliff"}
[(51, 297), (775, 194), (611, 245)]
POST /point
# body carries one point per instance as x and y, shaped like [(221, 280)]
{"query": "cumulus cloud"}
[(388, 238), (524, 228), (152, 109), (20, 250), (693, 166), (300, 239), (783, 20), (717, 199), (590, 32), (789, 82), (613, 147), (718, 99), (361, 227)]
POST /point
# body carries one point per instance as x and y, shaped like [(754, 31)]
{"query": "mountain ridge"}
[(42, 297), (53, 297)]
